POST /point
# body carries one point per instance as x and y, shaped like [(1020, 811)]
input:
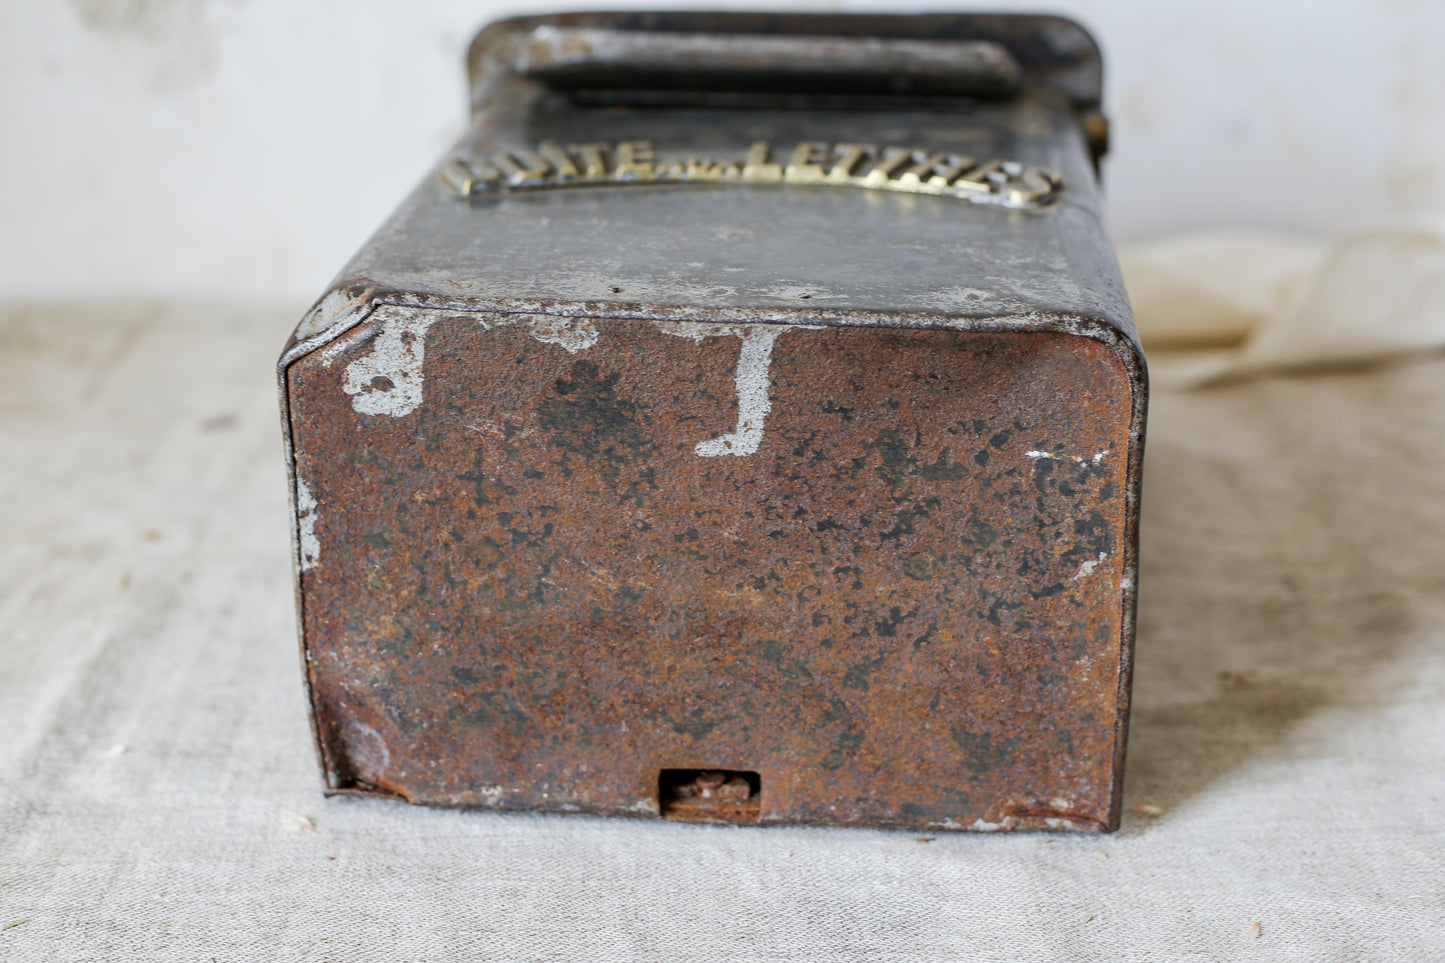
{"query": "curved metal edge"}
[(342, 308), (1053, 50)]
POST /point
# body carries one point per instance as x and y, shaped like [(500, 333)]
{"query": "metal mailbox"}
[(742, 423)]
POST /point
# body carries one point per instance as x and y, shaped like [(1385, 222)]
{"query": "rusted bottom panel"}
[(877, 570)]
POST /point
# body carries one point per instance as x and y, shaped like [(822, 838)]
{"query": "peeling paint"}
[(369, 751), (306, 526), (1098, 457), (755, 357), (977, 826), (388, 380), (1087, 568), (699, 330), (754, 403), (574, 334)]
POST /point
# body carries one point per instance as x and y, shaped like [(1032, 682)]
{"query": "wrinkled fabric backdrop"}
[(159, 799)]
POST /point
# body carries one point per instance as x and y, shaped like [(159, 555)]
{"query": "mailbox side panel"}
[(545, 558)]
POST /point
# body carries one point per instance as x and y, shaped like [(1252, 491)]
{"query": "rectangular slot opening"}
[(710, 795)]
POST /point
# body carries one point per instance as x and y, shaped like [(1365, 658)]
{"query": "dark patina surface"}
[(902, 595)]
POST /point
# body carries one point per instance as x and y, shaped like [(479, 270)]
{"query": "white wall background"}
[(197, 147)]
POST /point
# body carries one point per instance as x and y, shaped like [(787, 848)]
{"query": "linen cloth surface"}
[(159, 799)]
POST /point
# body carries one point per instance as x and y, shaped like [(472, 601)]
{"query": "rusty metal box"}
[(744, 422)]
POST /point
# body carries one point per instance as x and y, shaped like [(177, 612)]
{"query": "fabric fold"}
[(1227, 304)]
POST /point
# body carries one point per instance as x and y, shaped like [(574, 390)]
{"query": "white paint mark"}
[(1098, 457), (698, 331), (1087, 568), (754, 359), (574, 334), (342, 345), (306, 526), (388, 380), (491, 795), (754, 404), (369, 752), (645, 806)]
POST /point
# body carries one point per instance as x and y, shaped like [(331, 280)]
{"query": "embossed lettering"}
[(849, 157), (594, 160), (522, 167), (559, 158), (634, 159), (907, 170), (1015, 183), (806, 167), (468, 177), (935, 170), (757, 168), (883, 171), (706, 170)]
